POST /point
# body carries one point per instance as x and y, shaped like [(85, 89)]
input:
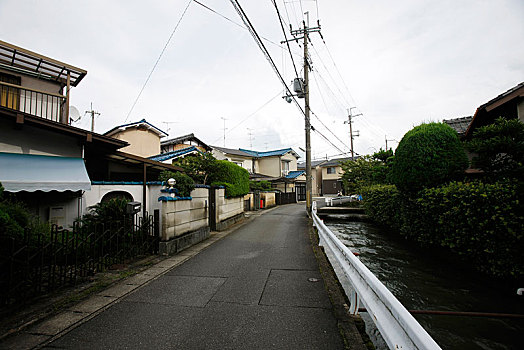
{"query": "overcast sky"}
[(400, 63)]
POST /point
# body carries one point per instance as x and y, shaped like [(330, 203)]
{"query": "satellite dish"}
[(74, 114)]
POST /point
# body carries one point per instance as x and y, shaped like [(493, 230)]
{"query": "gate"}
[(212, 209), (301, 191)]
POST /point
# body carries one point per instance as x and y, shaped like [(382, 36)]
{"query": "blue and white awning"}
[(29, 172)]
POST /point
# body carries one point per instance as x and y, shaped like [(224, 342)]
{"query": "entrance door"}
[(301, 191)]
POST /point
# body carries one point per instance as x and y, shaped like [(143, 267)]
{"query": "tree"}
[(428, 155), (499, 148), (184, 183), (366, 171), (198, 167)]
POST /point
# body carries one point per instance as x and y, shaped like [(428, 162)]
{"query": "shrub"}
[(484, 222), (233, 177), (184, 183), (428, 155), (499, 148), (381, 203), (259, 185)]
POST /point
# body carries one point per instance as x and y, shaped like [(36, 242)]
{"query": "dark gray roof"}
[(314, 164), (232, 151), (335, 162), (460, 125), (181, 139)]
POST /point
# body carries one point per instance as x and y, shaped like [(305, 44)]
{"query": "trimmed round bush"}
[(428, 155)]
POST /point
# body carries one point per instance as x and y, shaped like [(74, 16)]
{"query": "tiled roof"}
[(279, 152), (294, 174), (335, 162), (174, 154), (232, 151), (142, 122), (314, 164), (460, 125), (181, 139)]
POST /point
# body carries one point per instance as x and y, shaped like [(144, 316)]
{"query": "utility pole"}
[(351, 136), (224, 119), (250, 134), (303, 34), (93, 113), (386, 139)]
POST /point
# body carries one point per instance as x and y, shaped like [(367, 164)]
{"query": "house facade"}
[(332, 176), (56, 169), (143, 138), (509, 105)]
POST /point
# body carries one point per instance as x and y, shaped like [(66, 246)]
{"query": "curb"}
[(39, 332)]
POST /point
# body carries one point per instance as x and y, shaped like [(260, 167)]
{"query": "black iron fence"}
[(36, 264)]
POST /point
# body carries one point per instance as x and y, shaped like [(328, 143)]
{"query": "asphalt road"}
[(257, 288)]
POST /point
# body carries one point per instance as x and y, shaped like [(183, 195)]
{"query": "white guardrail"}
[(397, 326)]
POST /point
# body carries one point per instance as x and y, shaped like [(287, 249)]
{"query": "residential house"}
[(332, 176), (182, 142), (316, 175), (239, 157), (143, 138), (277, 166), (509, 105), (460, 125), (58, 170)]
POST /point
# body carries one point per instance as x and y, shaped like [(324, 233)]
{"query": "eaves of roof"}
[(150, 126), (174, 154)]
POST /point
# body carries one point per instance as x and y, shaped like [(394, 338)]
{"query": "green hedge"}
[(381, 204), (233, 177), (259, 185), (480, 221)]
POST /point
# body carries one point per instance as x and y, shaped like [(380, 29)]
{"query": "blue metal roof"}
[(29, 172), (174, 154), (279, 152), (294, 174)]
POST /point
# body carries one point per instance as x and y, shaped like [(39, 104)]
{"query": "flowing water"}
[(427, 280)]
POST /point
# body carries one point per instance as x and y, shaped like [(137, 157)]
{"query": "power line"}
[(263, 48), (235, 23), (285, 36), (252, 114), (158, 60)]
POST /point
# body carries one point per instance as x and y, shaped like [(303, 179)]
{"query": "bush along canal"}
[(429, 280)]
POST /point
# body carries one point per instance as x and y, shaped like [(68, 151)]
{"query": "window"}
[(285, 167), (331, 170), (9, 96)]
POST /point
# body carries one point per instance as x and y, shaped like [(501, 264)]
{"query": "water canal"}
[(427, 280)]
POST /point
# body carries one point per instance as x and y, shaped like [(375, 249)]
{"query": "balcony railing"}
[(38, 103)]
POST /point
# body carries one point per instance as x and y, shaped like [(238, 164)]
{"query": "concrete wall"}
[(143, 143), (269, 199), (228, 207), (182, 216)]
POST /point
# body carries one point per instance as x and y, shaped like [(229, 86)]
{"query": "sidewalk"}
[(256, 287)]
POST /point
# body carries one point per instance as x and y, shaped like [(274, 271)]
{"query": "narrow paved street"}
[(258, 288)]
